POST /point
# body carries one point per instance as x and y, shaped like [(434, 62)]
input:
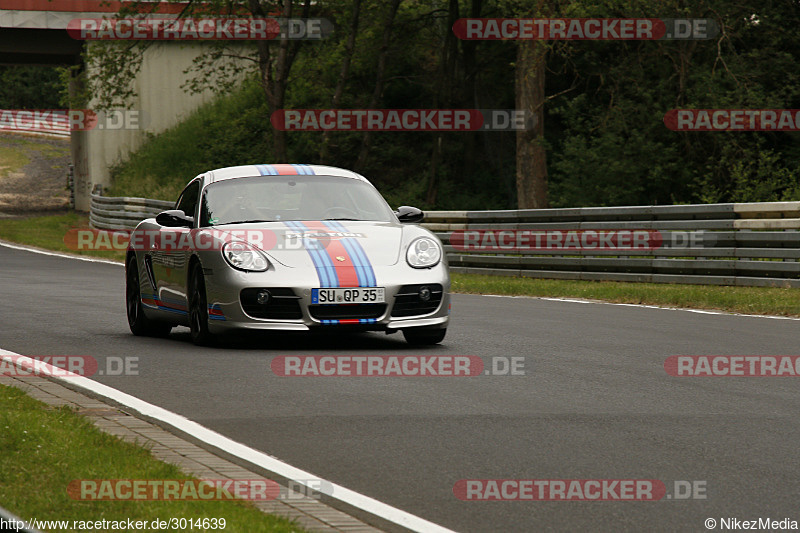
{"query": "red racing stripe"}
[(345, 270), (159, 303), (285, 170)]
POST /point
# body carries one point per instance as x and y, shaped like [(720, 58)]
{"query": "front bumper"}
[(224, 287)]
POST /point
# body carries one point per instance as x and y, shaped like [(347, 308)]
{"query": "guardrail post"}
[(71, 185)]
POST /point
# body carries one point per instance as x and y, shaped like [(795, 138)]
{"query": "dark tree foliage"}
[(609, 145), (604, 141), (29, 87)]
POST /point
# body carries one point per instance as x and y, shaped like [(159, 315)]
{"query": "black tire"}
[(198, 308), (424, 336), (137, 321)]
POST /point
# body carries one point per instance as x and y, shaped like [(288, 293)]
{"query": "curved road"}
[(595, 402)]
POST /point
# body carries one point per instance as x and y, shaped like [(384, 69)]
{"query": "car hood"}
[(307, 243)]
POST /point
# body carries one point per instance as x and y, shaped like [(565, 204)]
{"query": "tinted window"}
[(188, 200)]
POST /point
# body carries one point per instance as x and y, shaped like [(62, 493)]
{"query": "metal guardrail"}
[(748, 244), (117, 213), (37, 122)]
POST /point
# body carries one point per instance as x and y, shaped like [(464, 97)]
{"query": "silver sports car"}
[(286, 247)]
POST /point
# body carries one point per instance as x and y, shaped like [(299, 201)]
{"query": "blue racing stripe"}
[(322, 263), (359, 254), (321, 274), (371, 281), (323, 260), (159, 304), (363, 279), (304, 170), (267, 170)]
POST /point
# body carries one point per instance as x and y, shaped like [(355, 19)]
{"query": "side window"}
[(188, 200)]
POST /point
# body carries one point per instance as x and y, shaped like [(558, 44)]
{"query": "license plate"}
[(364, 295)]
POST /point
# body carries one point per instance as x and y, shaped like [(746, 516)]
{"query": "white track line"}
[(355, 499), (57, 254), (643, 306)]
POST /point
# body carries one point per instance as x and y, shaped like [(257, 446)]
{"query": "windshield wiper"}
[(343, 218)]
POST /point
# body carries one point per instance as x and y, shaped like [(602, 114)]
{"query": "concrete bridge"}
[(34, 32)]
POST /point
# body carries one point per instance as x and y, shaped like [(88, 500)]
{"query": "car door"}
[(173, 260)]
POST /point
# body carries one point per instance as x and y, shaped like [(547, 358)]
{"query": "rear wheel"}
[(137, 321), (423, 336), (198, 308)]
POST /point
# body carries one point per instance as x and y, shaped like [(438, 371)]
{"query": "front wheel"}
[(424, 336), (137, 321), (198, 308)]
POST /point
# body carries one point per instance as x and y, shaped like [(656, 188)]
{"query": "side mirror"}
[(409, 215), (175, 218)]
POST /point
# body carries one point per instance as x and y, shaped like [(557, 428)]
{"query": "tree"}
[(29, 87), (530, 97), (114, 65), (344, 72), (380, 71)]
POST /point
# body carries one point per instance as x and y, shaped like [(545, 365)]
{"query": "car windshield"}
[(283, 198)]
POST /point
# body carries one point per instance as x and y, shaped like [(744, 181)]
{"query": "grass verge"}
[(48, 232), (13, 159), (750, 300), (44, 448)]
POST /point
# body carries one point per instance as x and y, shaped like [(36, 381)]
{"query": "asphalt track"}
[(595, 402)]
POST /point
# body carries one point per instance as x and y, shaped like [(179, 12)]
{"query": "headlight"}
[(242, 256), (423, 253)]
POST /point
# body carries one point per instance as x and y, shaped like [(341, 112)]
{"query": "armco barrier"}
[(122, 212), (753, 244), (31, 122)]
